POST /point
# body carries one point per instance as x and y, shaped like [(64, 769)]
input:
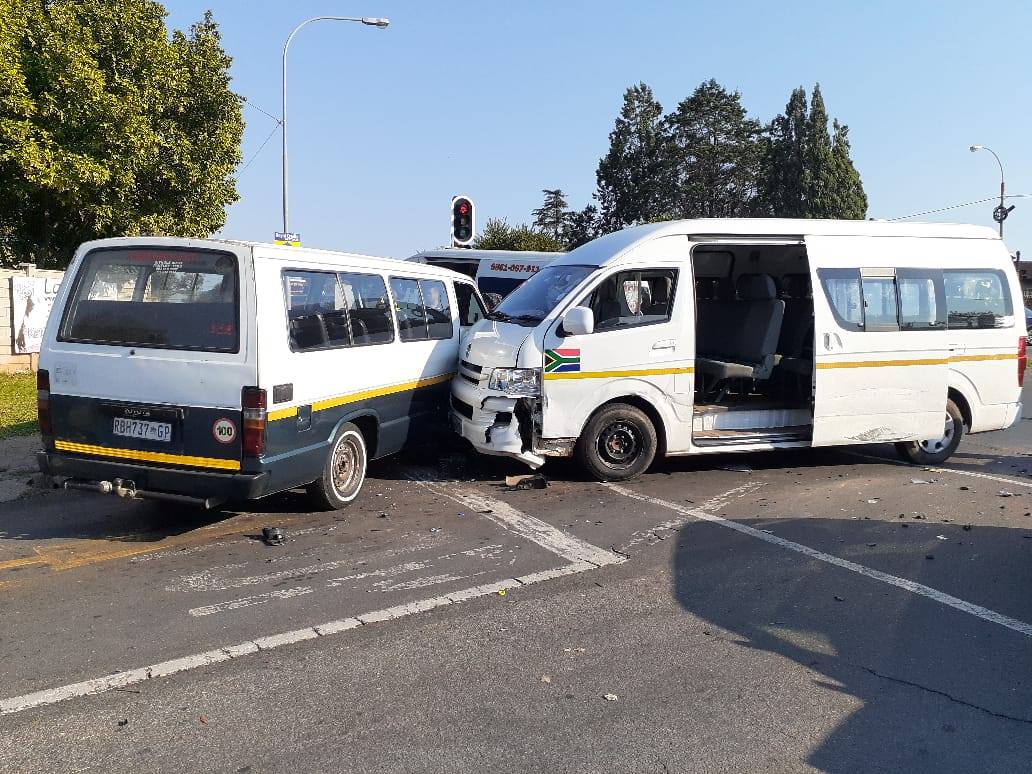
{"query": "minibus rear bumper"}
[(199, 487)]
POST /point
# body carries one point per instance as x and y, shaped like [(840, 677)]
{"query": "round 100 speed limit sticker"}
[(224, 430)]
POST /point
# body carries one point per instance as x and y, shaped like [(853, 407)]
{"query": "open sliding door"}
[(880, 349)]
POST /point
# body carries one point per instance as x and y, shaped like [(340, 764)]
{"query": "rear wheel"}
[(936, 450), (618, 443), (343, 473)]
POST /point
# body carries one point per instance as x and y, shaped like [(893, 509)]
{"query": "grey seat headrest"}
[(756, 287)]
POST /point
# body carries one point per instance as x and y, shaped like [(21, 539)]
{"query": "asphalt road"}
[(826, 610)]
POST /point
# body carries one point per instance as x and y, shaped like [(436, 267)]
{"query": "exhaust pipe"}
[(127, 489)]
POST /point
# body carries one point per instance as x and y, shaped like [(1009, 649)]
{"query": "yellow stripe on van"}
[(972, 358), (354, 397), (884, 363), (611, 374), (146, 456)]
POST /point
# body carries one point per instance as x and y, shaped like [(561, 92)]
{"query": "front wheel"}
[(343, 473), (936, 450), (618, 443)]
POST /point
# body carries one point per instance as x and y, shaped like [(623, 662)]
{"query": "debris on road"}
[(526, 481), (737, 468), (273, 536), (123, 722), (204, 719), (941, 537), (920, 481), (965, 489), (873, 501), (547, 679), (610, 697), (1004, 493), (966, 527)]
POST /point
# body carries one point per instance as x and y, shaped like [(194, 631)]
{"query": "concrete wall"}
[(10, 362)]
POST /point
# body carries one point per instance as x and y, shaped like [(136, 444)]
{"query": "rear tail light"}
[(1022, 360), (46, 427), (253, 402)]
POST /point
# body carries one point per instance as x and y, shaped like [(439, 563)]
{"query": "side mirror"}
[(578, 321)]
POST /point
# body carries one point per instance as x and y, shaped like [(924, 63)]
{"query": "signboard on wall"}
[(31, 301)]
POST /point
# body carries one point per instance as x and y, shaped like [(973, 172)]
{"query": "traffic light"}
[(462, 224)]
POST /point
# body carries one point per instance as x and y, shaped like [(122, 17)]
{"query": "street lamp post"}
[(1002, 211), (368, 21)]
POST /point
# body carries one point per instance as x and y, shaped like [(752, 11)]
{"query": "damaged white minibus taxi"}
[(705, 336)]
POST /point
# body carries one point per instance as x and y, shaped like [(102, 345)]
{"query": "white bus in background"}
[(711, 336), (497, 272)]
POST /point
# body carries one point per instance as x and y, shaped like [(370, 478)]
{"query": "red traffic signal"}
[(462, 223)]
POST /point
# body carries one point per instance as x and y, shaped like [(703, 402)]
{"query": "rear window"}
[(166, 298), (978, 298)]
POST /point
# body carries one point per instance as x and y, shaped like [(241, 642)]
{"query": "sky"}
[(500, 100)]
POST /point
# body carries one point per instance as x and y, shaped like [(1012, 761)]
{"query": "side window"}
[(842, 289), (978, 299), (438, 310), (316, 311), (369, 308), (632, 298), (408, 305), (922, 305), (880, 305), (470, 308)]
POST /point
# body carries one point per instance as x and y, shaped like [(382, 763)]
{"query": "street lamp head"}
[(372, 21), (974, 148)]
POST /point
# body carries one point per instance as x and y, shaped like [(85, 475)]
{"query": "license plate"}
[(141, 428)]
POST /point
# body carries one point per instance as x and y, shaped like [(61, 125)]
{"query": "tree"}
[(499, 235), (630, 174), (806, 172), (713, 154), (109, 127), (550, 217), (581, 227)]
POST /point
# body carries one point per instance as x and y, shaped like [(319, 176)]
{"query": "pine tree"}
[(581, 227), (850, 198), (629, 175), (713, 155), (550, 217), (782, 184), (818, 164)]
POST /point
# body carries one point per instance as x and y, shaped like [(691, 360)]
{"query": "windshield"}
[(535, 298)]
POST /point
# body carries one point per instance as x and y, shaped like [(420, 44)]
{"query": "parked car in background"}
[(497, 272)]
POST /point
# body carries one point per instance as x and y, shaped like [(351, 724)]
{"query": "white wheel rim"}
[(347, 468), (934, 446)]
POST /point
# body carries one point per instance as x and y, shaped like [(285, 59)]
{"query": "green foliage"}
[(806, 172), (17, 404), (630, 176), (550, 217), (581, 227), (499, 235), (108, 127), (713, 153)]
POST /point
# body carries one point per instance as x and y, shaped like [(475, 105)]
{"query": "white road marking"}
[(671, 524), (908, 585), (257, 599), (530, 527), (174, 666), (971, 473)]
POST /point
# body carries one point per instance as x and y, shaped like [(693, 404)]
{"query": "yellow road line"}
[(611, 374), (146, 456)]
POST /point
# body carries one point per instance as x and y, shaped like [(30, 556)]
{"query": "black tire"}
[(343, 472), (617, 444), (934, 452)]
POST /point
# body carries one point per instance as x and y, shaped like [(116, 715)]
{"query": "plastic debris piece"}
[(610, 697), (204, 719), (965, 489), (1005, 493), (839, 599), (273, 536), (501, 592), (547, 679), (873, 501), (435, 529), (526, 481), (941, 537), (123, 722)]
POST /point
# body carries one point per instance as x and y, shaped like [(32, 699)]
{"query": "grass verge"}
[(17, 405)]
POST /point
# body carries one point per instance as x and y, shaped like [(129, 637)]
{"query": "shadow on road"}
[(940, 690)]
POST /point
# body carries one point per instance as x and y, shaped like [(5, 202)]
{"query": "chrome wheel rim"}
[(346, 467), (934, 446), (619, 444)]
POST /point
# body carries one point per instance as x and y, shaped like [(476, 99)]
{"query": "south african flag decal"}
[(562, 361)]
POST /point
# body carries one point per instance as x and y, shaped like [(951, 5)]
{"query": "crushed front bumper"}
[(501, 425)]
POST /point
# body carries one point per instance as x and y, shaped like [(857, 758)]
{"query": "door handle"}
[(832, 341), (665, 344)]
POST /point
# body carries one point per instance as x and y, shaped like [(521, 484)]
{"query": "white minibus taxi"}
[(497, 272), (202, 370), (703, 336)]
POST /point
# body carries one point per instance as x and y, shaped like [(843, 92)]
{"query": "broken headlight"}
[(516, 381)]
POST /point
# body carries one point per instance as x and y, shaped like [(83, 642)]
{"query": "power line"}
[(260, 149), (958, 206), (246, 101)]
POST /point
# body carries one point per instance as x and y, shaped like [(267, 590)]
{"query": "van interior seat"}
[(797, 327), (738, 339)]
